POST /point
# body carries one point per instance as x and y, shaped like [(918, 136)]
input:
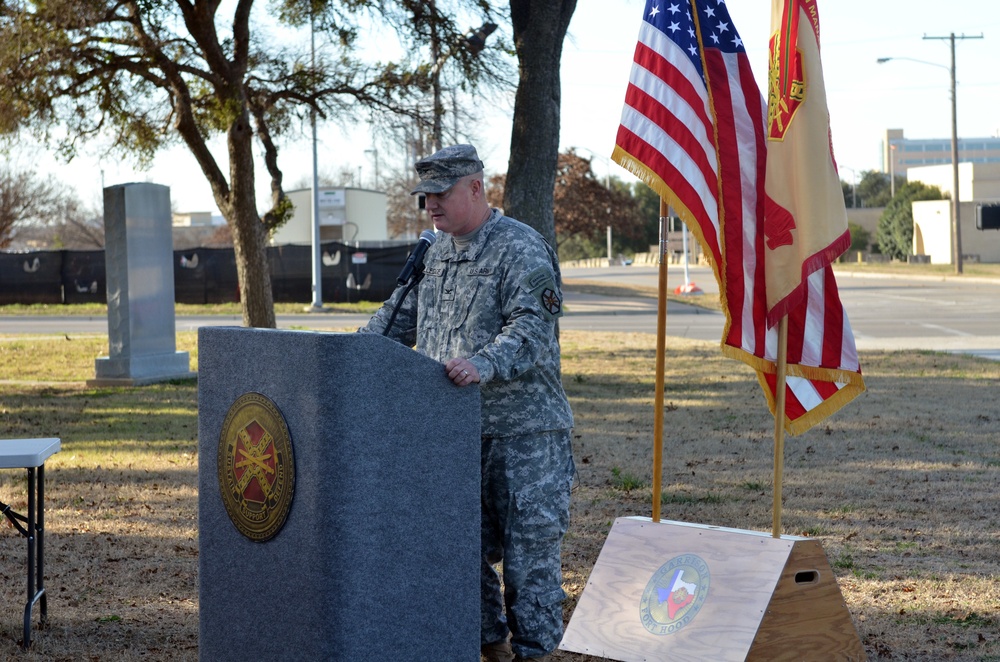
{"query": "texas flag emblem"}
[(680, 594)]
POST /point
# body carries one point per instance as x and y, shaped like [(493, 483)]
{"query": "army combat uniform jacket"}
[(495, 303)]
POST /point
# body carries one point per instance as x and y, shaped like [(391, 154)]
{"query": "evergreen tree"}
[(895, 226)]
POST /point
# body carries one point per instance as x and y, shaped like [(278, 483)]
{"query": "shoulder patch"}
[(542, 284), (551, 302)]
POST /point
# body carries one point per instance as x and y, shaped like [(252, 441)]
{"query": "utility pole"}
[(956, 227)]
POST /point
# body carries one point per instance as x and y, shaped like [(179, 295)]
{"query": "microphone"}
[(415, 262)]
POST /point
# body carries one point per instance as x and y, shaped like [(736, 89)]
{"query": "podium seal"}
[(256, 467), (675, 594)]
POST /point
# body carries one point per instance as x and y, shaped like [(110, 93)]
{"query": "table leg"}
[(35, 535), (40, 533), (30, 535)]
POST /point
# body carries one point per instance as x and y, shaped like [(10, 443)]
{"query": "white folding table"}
[(30, 454)]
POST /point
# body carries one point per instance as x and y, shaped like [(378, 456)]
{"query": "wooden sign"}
[(679, 591)]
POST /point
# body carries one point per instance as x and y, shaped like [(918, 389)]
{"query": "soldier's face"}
[(455, 211)]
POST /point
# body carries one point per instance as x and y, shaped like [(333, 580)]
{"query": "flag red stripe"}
[(674, 126), (678, 84), (825, 389), (753, 266), (730, 179), (833, 336), (656, 162), (793, 407)]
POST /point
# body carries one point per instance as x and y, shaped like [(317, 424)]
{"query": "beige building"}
[(196, 219), (978, 183), (900, 154), (194, 229), (345, 214)]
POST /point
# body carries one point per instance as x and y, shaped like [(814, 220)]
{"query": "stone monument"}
[(139, 259)]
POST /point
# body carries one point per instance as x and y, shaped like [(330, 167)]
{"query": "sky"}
[(865, 98)]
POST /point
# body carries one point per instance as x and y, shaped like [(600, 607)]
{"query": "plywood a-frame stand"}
[(678, 591)]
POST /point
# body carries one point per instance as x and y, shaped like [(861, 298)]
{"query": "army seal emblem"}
[(674, 595), (256, 467)]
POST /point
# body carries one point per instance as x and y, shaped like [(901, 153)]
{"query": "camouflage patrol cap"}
[(442, 169)]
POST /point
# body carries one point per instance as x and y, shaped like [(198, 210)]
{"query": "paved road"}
[(886, 312), (944, 314)]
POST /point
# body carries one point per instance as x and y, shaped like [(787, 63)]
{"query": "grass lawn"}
[(901, 487)]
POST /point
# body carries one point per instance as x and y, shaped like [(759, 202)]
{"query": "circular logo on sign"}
[(675, 594), (256, 468)]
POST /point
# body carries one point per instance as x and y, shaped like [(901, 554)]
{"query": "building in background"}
[(899, 154), (196, 219), (978, 184), (199, 228), (345, 215)]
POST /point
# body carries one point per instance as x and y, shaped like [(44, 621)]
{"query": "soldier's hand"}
[(462, 372)]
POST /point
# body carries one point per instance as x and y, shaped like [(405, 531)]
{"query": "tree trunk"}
[(539, 30), (249, 233)]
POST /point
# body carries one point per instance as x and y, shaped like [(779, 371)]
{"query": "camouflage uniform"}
[(496, 302)]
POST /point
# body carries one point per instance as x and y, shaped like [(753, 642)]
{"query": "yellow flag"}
[(805, 221)]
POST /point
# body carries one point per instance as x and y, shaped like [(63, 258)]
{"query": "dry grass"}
[(230, 308), (121, 507), (901, 487)]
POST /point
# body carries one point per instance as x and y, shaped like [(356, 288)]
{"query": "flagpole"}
[(661, 333), (779, 424)]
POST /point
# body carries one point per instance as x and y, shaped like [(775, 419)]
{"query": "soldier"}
[(487, 309)]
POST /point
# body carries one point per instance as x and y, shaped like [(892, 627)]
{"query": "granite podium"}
[(377, 556)]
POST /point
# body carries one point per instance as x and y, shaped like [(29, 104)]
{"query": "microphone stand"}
[(418, 275)]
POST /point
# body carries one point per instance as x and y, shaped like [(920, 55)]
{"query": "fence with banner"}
[(208, 275)]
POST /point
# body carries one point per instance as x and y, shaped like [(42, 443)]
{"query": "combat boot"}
[(498, 651)]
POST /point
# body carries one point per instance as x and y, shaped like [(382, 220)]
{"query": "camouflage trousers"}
[(525, 514)]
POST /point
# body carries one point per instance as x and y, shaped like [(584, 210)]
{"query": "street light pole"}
[(892, 172), (374, 152), (317, 263), (436, 77), (475, 41), (607, 187), (854, 185)]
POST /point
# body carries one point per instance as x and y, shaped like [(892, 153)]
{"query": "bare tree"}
[(30, 203), (77, 227)]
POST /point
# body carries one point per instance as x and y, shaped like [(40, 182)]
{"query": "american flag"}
[(694, 129)]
